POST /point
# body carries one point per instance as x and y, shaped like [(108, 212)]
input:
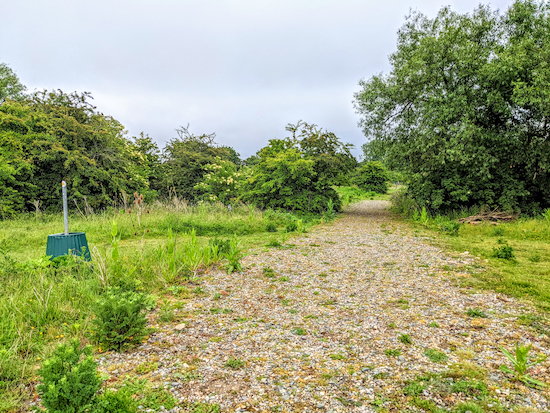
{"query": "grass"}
[(351, 194), (161, 251), (515, 255)]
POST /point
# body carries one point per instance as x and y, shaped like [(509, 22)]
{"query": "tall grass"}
[(150, 248)]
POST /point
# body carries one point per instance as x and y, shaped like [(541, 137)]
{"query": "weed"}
[(392, 352), (468, 407), (405, 339), (535, 257), (521, 364), (200, 407), (436, 356), (299, 331), (434, 324), (147, 367), (465, 369), (217, 296), (233, 256), (392, 325), (291, 226), (120, 401), (476, 313), (498, 232), (269, 272), (337, 357), (284, 279), (234, 363), (221, 311), (274, 243), (167, 314), (505, 252)]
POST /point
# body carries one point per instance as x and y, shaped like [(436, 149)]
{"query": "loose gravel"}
[(313, 321)]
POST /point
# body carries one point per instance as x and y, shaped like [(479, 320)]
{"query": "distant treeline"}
[(47, 137)]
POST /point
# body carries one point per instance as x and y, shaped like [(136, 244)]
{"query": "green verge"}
[(515, 256)]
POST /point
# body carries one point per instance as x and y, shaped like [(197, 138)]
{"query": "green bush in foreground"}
[(69, 379), (120, 319)]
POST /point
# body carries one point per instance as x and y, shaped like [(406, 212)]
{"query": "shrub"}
[(69, 379), (120, 320), (372, 176)]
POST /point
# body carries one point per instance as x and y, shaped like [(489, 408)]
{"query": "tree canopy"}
[(465, 110)]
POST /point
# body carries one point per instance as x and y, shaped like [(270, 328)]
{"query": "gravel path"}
[(318, 324)]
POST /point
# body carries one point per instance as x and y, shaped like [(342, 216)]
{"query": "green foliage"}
[(372, 176), (69, 379), (476, 313), (120, 319), (120, 401), (234, 363), (297, 173), (222, 181), (520, 363), (10, 86), (392, 352), (185, 161), (405, 339), (505, 252), (464, 110), (53, 136), (203, 408), (436, 356), (271, 227), (233, 256)]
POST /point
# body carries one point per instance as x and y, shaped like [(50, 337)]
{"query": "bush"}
[(120, 320), (372, 176), (69, 379)]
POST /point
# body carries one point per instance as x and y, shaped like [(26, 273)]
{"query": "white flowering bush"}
[(222, 181)]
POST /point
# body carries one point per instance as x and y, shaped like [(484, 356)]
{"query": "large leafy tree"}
[(10, 86), (53, 136), (465, 110)]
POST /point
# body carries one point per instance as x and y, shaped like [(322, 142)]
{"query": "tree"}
[(184, 159), (10, 86), (372, 176), (222, 181), (465, 109)]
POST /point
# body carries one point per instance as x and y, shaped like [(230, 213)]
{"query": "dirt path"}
[(325, 325)]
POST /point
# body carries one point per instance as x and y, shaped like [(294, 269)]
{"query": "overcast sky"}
[(240, 68)]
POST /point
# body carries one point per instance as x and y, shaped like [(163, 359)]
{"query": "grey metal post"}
[(65, 208)]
